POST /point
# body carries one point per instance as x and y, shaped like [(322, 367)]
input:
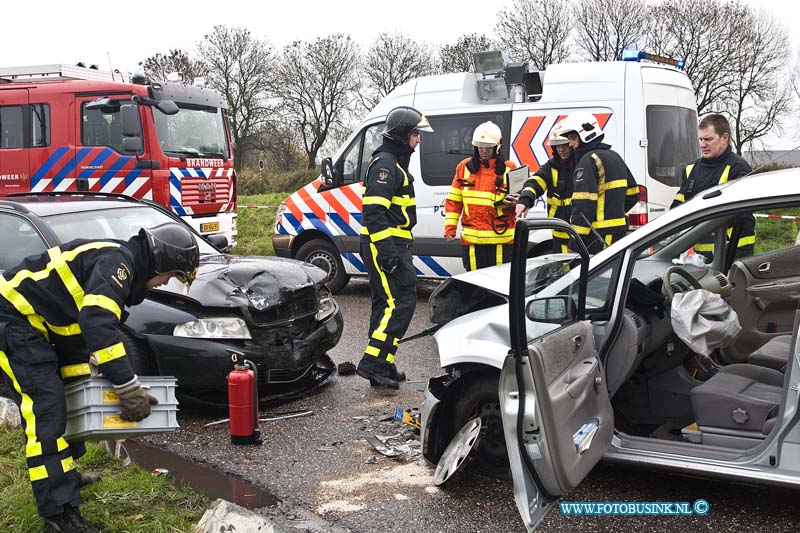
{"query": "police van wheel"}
[(479, 397), (322, 254), (139, 357)]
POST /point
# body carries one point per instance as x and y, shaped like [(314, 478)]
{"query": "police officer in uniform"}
[(479, 197), (718, 165), (554, 178), (389, 213), (604, 188), (74, 295)]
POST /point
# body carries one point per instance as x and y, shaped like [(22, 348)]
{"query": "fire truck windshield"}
[(194, 132)]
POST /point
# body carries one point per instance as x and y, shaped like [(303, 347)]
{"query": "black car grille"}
[(299, 303)]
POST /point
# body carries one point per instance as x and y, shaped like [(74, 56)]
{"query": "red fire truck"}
[(70, 128)]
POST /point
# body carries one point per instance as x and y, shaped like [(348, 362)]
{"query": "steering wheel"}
[(666, 286)]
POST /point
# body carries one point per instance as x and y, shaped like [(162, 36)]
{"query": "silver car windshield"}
[(121, 224)]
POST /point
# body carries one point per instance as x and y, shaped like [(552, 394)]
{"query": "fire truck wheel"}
[(323, 254), (139, 357)]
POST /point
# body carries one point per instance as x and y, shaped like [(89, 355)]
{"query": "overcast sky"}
[(49, 31)]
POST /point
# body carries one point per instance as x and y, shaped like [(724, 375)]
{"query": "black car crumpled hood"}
[(257, 282)]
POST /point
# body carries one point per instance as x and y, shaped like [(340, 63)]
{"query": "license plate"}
[(209, 226)]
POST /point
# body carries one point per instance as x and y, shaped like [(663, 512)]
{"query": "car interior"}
[(661, 388)]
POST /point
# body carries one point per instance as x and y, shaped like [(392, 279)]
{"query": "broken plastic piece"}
[(346, 369), (382, 448)]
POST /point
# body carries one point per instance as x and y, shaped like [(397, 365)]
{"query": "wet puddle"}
[(201, 478)]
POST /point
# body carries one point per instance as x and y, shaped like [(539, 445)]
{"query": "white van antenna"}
[(110, 66)]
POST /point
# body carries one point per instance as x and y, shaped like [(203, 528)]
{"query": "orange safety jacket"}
[(476, 198)]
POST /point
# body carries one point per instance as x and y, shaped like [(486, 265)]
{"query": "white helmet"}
[(584, 124), (556, 137), (486, 135)]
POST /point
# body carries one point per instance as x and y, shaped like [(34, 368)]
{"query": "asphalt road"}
[(330, 479)]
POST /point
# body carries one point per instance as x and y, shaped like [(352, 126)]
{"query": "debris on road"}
[(346, 369), (279, 416), (159, 472), (408, 416)]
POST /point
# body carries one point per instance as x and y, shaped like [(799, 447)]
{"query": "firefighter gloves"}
[(134, 401)]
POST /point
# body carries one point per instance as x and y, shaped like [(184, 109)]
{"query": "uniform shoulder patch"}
[(578, 174), (121, 275), (383, 175)]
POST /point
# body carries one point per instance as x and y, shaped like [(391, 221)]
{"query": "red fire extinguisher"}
[(243, 402)]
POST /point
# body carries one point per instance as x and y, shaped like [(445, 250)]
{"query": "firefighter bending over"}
[(70, 301), (388, 215), (555, 179), (479, 197), (605, 189)]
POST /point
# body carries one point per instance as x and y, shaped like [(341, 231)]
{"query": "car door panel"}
[(765, 295)]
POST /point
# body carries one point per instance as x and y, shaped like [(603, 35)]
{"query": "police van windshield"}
[(193, 132)]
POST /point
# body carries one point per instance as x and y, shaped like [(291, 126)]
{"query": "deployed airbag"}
[(704, 321)]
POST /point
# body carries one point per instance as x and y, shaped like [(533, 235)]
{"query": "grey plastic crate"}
[(93, 410)]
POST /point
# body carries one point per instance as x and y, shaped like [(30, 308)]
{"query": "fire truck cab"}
[(71, 128)]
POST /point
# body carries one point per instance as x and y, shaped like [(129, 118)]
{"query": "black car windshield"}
[(115, 223)]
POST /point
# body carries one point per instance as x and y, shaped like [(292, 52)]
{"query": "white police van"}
[(646, 108)]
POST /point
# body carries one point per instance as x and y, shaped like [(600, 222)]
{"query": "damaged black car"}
[(275, 312)]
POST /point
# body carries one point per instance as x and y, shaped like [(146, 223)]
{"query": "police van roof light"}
[(636, 55)]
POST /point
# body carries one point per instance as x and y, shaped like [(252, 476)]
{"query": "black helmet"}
[(403, 120), (173, 248)]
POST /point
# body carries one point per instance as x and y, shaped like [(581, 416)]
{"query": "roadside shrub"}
[(250, 182)]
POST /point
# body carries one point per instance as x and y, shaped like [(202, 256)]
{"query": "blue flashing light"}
[(681, 64), (630, 55)]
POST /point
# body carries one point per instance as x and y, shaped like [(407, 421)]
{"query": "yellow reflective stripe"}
[(69, 280), (498, 255), (453, 197), (616, 184), (396, 342), (582, 230), (100, 300), (470, 193), (115, 351), (530, 190), (747, 241), (37, 473), (451, 216), (379, 336), (701, 247), (479, 201), (473, 261), (554, 175), (680, 198), (724, 177), (608, 238), (610, 223), (376, 200), (601, 187), (71, 371), (65, 331), (540, 181), (486, 232), (404, 201), (403, 172), (552, 212), (584, 196), (558, 202), (632, 191), (372, 350), (67, 464), (387, 313), (560, 234), (689, 169), (32, 447)]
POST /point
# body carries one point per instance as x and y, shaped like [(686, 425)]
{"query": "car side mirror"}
[(329, 176), (551, 310), (218, 241), (131, 128)]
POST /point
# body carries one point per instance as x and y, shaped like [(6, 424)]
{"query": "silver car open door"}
[(557, 416)]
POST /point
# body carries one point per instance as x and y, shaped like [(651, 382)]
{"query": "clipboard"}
[(517, 179)]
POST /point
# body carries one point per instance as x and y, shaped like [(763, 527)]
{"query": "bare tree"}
[(607, 27), (315, 82), (240, 67), (157, 67), (705, 35), (759, 91), (392, 60), (535, 31), (457, 57)]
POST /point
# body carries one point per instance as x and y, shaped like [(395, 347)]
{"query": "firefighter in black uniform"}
[(74, 295), (604, 188), (554, 178), (389, 213), (718, 165)]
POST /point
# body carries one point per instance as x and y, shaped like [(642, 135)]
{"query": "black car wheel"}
[(322, 254), (138, 355), (479, 397)]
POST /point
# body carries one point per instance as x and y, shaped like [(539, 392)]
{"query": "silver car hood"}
[(257, 282)]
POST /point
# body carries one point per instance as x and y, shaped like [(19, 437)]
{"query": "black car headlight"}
[(214, 328), (327, 305)]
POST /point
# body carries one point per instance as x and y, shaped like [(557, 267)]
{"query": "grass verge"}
[(256, 226), (127, 499)]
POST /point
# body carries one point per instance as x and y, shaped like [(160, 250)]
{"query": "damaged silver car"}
[(554, 363), (275, 311)]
